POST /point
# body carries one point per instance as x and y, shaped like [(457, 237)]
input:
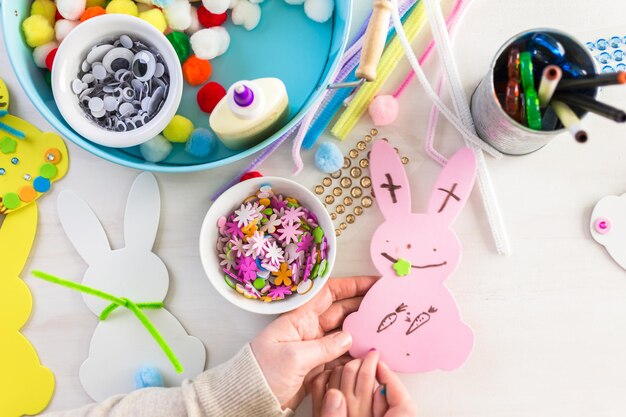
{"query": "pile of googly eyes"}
[(609, 52), (122, 84)]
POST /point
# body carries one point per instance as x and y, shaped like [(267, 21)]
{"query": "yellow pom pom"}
[(123, 7), (93, 3), (45, 8), (37, 31), (156, 18), (179, 130)]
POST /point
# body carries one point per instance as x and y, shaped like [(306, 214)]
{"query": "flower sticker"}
[(247, 268), (245, 214), (256, 245), (283, 275), (279, 292), (272, 222), (289, 233), (274, 255), (306, 243), (292, 215)]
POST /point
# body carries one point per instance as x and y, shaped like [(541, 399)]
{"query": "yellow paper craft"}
[(29, 165), (26, 386)]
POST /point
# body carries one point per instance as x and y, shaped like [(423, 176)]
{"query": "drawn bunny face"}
[(408, 243), (120, 272)]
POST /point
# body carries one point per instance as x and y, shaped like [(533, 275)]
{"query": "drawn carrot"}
[(390, 318), (420, 320)]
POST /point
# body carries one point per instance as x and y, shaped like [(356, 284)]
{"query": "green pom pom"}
[(180, 42)]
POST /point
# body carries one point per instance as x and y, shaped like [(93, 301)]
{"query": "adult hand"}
[(294, 348)]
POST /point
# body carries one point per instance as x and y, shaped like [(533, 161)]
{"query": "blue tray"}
[(286, 44)]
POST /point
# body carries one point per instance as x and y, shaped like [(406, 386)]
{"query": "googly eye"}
[(117, 59), (602, 225), (144, 66), (128, 94)]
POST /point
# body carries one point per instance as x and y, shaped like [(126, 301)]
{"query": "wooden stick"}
[(375, 39)]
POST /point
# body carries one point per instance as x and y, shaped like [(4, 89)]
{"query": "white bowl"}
[(72, 53), (231, 200)]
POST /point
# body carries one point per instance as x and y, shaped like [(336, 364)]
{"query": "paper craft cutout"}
[(409, 315), (30, 160), (608, 226), (26, 386), (121, 345)]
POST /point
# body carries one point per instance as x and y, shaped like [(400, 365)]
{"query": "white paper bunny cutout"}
[(121, 345)]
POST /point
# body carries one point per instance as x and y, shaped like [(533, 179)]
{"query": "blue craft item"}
[(10, 130), (148, 377), (610, 54), (156, 149), (546, 50), (201, 143), (162, 3), (328, 157)]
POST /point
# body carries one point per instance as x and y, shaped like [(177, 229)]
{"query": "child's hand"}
[(348, 391)]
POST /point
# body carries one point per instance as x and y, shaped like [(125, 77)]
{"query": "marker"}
[(549, 80), (599, 80), (570, 120), (592, 105)]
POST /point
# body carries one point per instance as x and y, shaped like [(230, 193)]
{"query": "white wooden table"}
[(550, 320)]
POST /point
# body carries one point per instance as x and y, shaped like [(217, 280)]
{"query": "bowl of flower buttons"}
[(267, 245), (117, 80)]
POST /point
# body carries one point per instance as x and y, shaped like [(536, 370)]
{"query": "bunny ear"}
[(389, 181), (16, 240), (453, 186), (82, 227), (141, 220)]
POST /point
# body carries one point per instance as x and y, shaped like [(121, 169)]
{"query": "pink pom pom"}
[(384, 110)]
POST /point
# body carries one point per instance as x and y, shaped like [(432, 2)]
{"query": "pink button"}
[(602, 225)]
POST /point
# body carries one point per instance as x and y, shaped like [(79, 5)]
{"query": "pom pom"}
[(384, 110), (63, 27), (45, 8), (37, 31), (41, 52), (208, 19), (328, 157), (216, 6), (71, 9), (148, 377), (249, 175), (209, 96), (92, 11), (179, 130), (96, 3), (210, 43), (180, 42), (197, 71), (195, 23), (201, 143), (156, 18), (50, 58), (246, 14), (122, 7), (295, 2), (319, 10), (156, 149), (162, 3), (178, 14)]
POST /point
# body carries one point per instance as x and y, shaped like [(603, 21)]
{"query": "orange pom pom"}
[(197, 71), (92, 12)]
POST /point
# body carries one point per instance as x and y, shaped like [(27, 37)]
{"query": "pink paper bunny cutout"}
[(409, 315)]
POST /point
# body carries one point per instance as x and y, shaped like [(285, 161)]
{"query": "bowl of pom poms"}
[(267, 245), (227, 51)]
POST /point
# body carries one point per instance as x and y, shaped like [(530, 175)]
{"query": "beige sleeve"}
[(235, 388)]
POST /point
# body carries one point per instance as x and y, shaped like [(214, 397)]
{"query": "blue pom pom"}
[(162, 3), (148, 377), (201, 143), (156, 149), (328, 157)]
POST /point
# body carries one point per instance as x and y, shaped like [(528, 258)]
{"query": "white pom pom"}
[(63, 27), (71, 9), (178, 14), (296, 2), (319, 10), (233, 3), (195, 23), (246, 14), (210, 43), (41, 52), (216, 6)]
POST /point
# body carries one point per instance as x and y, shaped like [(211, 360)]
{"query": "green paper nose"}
[(402, 267)]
